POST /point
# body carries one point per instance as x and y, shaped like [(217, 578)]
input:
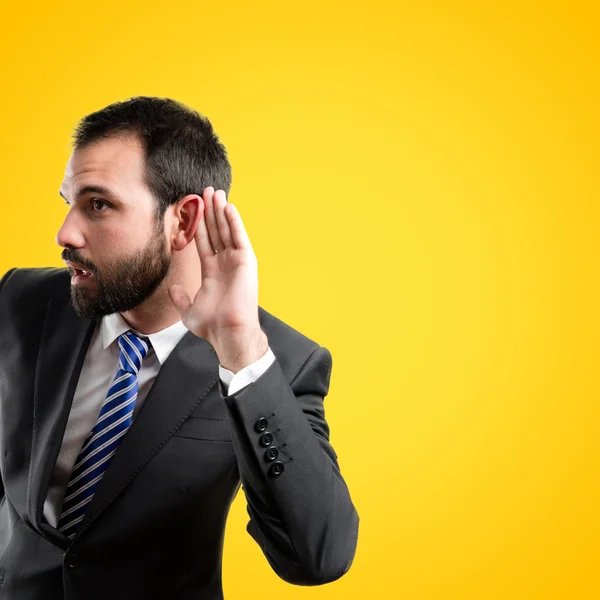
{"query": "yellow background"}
[(420, 184)]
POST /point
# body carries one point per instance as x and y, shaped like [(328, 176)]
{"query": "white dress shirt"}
[(99, 368)]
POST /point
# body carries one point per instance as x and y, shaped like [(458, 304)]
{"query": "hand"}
[(225, 309)]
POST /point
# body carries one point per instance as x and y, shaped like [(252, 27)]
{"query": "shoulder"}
[(34, 285)]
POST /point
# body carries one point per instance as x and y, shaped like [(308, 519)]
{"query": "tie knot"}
[(133, 350)]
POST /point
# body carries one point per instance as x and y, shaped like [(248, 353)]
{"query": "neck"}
[(154, 314)]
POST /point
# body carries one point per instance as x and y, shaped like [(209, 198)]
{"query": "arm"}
[(300, 509), (303, 519)]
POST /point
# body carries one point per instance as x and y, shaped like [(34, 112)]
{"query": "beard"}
[(122, 283)]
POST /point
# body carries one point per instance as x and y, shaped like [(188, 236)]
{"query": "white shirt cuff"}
[(250, 373)]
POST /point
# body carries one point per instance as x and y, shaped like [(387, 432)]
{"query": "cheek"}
[(120, 241)]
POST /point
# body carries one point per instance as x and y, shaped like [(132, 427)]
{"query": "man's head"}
[(132, 162)]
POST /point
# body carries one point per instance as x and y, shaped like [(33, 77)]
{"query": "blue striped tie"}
[(103, 441)]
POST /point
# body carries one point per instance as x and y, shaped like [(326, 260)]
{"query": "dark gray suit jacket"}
[(155, 526)]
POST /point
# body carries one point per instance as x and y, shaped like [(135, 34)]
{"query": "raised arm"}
[(300, 509)]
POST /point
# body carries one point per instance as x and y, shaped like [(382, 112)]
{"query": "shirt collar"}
[(163, 341)]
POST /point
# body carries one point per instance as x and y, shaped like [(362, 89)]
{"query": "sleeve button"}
[(266, 439), (271, 454), (261, 425), (276, 469)]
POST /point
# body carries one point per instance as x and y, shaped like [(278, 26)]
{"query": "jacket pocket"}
[(205, 428)]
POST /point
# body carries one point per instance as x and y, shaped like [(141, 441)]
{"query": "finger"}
[(238, 231), (179, 298), (203, 244), (220, 203), (211, 220)]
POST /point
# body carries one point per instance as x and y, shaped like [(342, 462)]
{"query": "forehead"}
[(115, 162)]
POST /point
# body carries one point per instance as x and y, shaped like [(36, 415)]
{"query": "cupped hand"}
[(225, 309)]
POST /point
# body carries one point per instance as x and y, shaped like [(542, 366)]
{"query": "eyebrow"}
[(91, 189)]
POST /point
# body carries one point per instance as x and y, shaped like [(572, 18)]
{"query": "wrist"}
[(241, 350)]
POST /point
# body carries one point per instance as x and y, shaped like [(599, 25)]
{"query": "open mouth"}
[(77, 272), (80, 275)]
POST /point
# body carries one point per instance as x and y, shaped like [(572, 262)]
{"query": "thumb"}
[(181, 301)]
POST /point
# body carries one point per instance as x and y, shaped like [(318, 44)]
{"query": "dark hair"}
[(182, 153)]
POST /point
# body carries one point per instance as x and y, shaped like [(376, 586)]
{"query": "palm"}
[(229, 293)]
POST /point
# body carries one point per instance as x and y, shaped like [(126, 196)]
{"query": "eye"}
[(94, 203)]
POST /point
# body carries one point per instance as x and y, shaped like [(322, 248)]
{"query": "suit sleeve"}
[(301, 513), (4, 279)]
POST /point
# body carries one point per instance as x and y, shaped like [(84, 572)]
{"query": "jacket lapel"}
[(65, 339), (188, 374)]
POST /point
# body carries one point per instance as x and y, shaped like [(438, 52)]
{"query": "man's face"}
[(110, 231)]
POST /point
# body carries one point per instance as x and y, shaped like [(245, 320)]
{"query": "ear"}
[(187, 213)]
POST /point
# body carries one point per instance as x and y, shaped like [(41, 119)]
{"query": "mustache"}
[(74, 256)]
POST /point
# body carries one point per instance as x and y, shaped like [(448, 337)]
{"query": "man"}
[(143, 384)]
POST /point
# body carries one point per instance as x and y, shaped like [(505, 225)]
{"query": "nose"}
[(70, 232)]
